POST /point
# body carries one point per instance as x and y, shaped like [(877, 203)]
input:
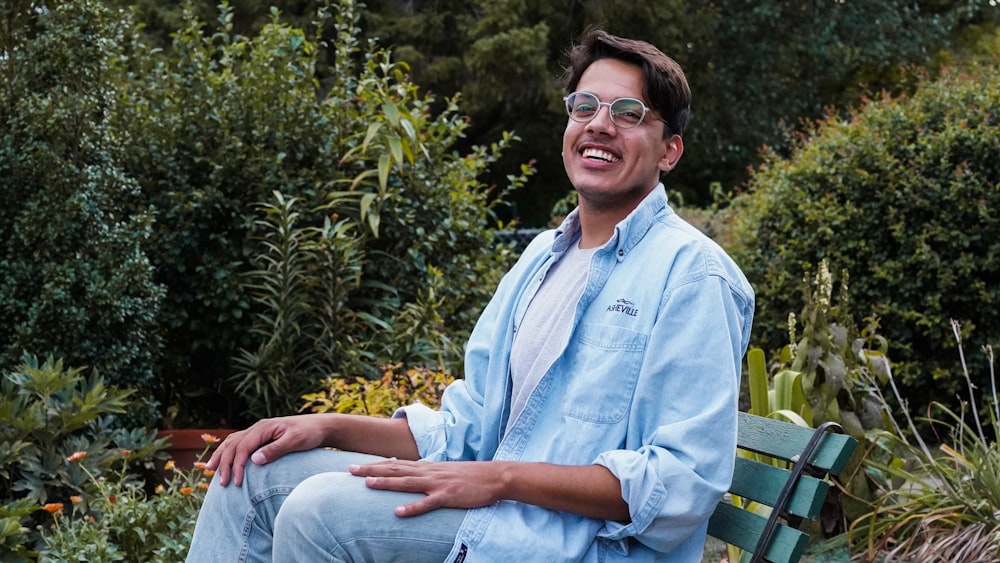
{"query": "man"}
[(597, 417)]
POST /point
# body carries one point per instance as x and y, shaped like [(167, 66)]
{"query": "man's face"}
[(614, 168)]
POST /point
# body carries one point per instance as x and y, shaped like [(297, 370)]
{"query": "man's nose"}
[(602, 119)]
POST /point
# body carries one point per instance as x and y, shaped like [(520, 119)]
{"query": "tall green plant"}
[(300, 290), (220, 121), (831, 355)]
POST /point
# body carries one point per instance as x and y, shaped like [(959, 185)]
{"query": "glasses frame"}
[(645, 109)]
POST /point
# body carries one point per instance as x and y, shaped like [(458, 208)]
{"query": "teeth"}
[(600, 155)]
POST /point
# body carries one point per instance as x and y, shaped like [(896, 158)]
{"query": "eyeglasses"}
[(625, 113)]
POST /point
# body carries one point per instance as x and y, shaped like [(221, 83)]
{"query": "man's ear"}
[(673, 148)]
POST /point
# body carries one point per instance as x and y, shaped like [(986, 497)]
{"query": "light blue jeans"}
[(306, 507)]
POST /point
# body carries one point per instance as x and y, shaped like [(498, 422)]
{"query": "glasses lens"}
[(582, 106), (627, 112)]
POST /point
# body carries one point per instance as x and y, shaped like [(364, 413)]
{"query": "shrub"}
[(47, 412), (901, 196), (219, 123), (74, 281), (116, 519), (397, 387)]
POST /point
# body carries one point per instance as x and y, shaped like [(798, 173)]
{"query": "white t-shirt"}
[(547, 322)]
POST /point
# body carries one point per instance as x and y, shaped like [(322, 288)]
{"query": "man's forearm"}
[(588, 490), (387, 437)]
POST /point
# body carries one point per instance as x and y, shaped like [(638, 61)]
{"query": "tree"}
[(756, 68)]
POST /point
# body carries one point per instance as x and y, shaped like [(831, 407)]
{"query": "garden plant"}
[(938, 495), (114, 518)]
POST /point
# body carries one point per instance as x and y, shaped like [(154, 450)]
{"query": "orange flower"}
[(77, 456), (53, 507), (186, 490), (126, 453), (208, 473), (169, 466), (209, 439), (200, 465), (159, 489), (112, 499), (203, 486), (76, 499)]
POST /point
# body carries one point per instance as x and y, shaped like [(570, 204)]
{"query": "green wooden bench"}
[(795, 494)]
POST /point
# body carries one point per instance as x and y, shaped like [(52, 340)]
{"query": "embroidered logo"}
[(625, 307)]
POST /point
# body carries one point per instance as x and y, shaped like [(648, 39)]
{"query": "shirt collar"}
[(627, 233)]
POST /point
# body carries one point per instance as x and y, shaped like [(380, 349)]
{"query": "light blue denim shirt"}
[(647, 386)]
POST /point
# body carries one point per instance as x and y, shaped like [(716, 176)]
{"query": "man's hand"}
[(588, 490), (266, 441), (271, 438), (451, 484)]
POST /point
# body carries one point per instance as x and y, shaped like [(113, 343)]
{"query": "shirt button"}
[(621, 252)]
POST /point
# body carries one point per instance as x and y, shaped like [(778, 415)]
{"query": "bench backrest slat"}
[(742, 528), (763, 483), (785, 440)]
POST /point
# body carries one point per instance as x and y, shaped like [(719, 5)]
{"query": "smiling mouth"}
[(597, 154)]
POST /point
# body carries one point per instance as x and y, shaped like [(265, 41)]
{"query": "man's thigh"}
[(336, 517)]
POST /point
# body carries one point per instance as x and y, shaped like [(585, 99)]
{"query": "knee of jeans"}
[(319, 502)]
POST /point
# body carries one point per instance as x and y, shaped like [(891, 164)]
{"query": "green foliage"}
[(300, 290), (778, 396), (216, 123), (825, 373), (901, 197), (832, 357), (352, 284), (13, 532), (47, 412), (396, 388), (755, 67), (116, 519), (370, 185), (936, 505), (74, 281)]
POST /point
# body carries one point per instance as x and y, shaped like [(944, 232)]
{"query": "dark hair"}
[(667, 89)]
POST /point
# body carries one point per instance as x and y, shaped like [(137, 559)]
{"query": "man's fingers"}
[(422, 506), (403, 484)]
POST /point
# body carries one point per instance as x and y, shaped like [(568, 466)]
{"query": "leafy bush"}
[(47, 412), (74, 281), (219, 123), (901, 196)]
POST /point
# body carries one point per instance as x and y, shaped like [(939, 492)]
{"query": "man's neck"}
[(597, 222)]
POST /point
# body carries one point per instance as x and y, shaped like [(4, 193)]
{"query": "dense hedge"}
[(74, 281), (903, 196)]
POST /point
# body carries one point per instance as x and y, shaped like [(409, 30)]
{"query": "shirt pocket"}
[(602, 369)]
